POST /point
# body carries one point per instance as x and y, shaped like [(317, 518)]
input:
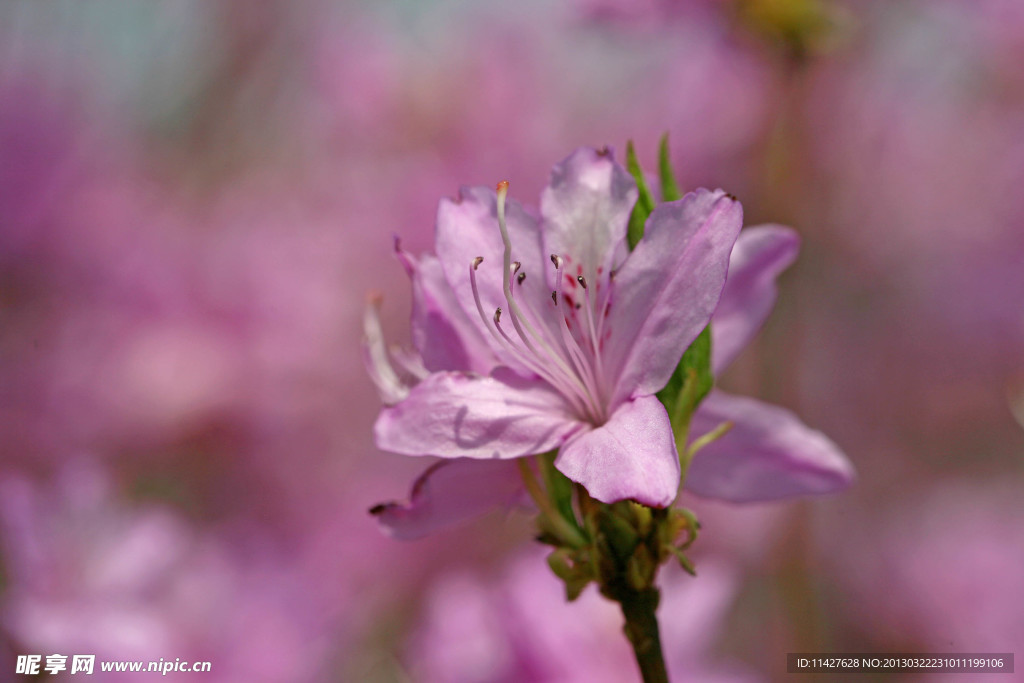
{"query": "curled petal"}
[(760, 255), (390, 385), (449, 492), (457, 414), (586, 211), (767, 455), (665, 293), (631, 457)]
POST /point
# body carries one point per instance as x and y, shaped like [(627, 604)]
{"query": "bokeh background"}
[(196, 197)]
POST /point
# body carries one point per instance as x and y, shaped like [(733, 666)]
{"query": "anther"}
[(521, 277), (477, 261), (497, 316), (554, 298), (557, 260), (582, 280), (516, 265)]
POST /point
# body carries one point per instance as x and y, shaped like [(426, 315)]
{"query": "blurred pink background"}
[(196, 198)]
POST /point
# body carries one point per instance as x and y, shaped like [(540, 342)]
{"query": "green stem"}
[(639, 608), (558, 524), (687, 453)]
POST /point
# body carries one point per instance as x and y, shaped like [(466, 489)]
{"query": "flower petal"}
[(767, 455), (666, 291), (456, 414), (467, 228), (449, 492), (632, 456), (760, 254), (586, 209), (445, 336)]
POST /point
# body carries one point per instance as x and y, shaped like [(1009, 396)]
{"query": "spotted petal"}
[(586, 211)]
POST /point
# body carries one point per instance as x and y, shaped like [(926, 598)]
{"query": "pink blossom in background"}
[(911, 159), (888, 126), (701, 76), (651, 14), (91, 575), (460, 110), (515, 625), (945, 573), (146, 324)]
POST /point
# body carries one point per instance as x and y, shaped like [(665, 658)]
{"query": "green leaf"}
[(558, 487), (669, 187), (574, 588), (645, 201), (691, 381), (619, 533), (685, 562), (576, 576), (681, 520)]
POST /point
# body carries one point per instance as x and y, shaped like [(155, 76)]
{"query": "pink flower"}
[(522, 353), (515, 625), (89, 573), (944, 570)]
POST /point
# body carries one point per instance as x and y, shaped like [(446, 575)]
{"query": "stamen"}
[(594, 339), (601, 311), (567, 381), (534, 363), (569, 372), (476, 291), (529, 360), (506, 287), (519, 321), (502, 338), (476, 296), (572, 347), (582, 280)]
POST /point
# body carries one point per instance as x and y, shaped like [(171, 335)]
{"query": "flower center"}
[(560, 348)]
